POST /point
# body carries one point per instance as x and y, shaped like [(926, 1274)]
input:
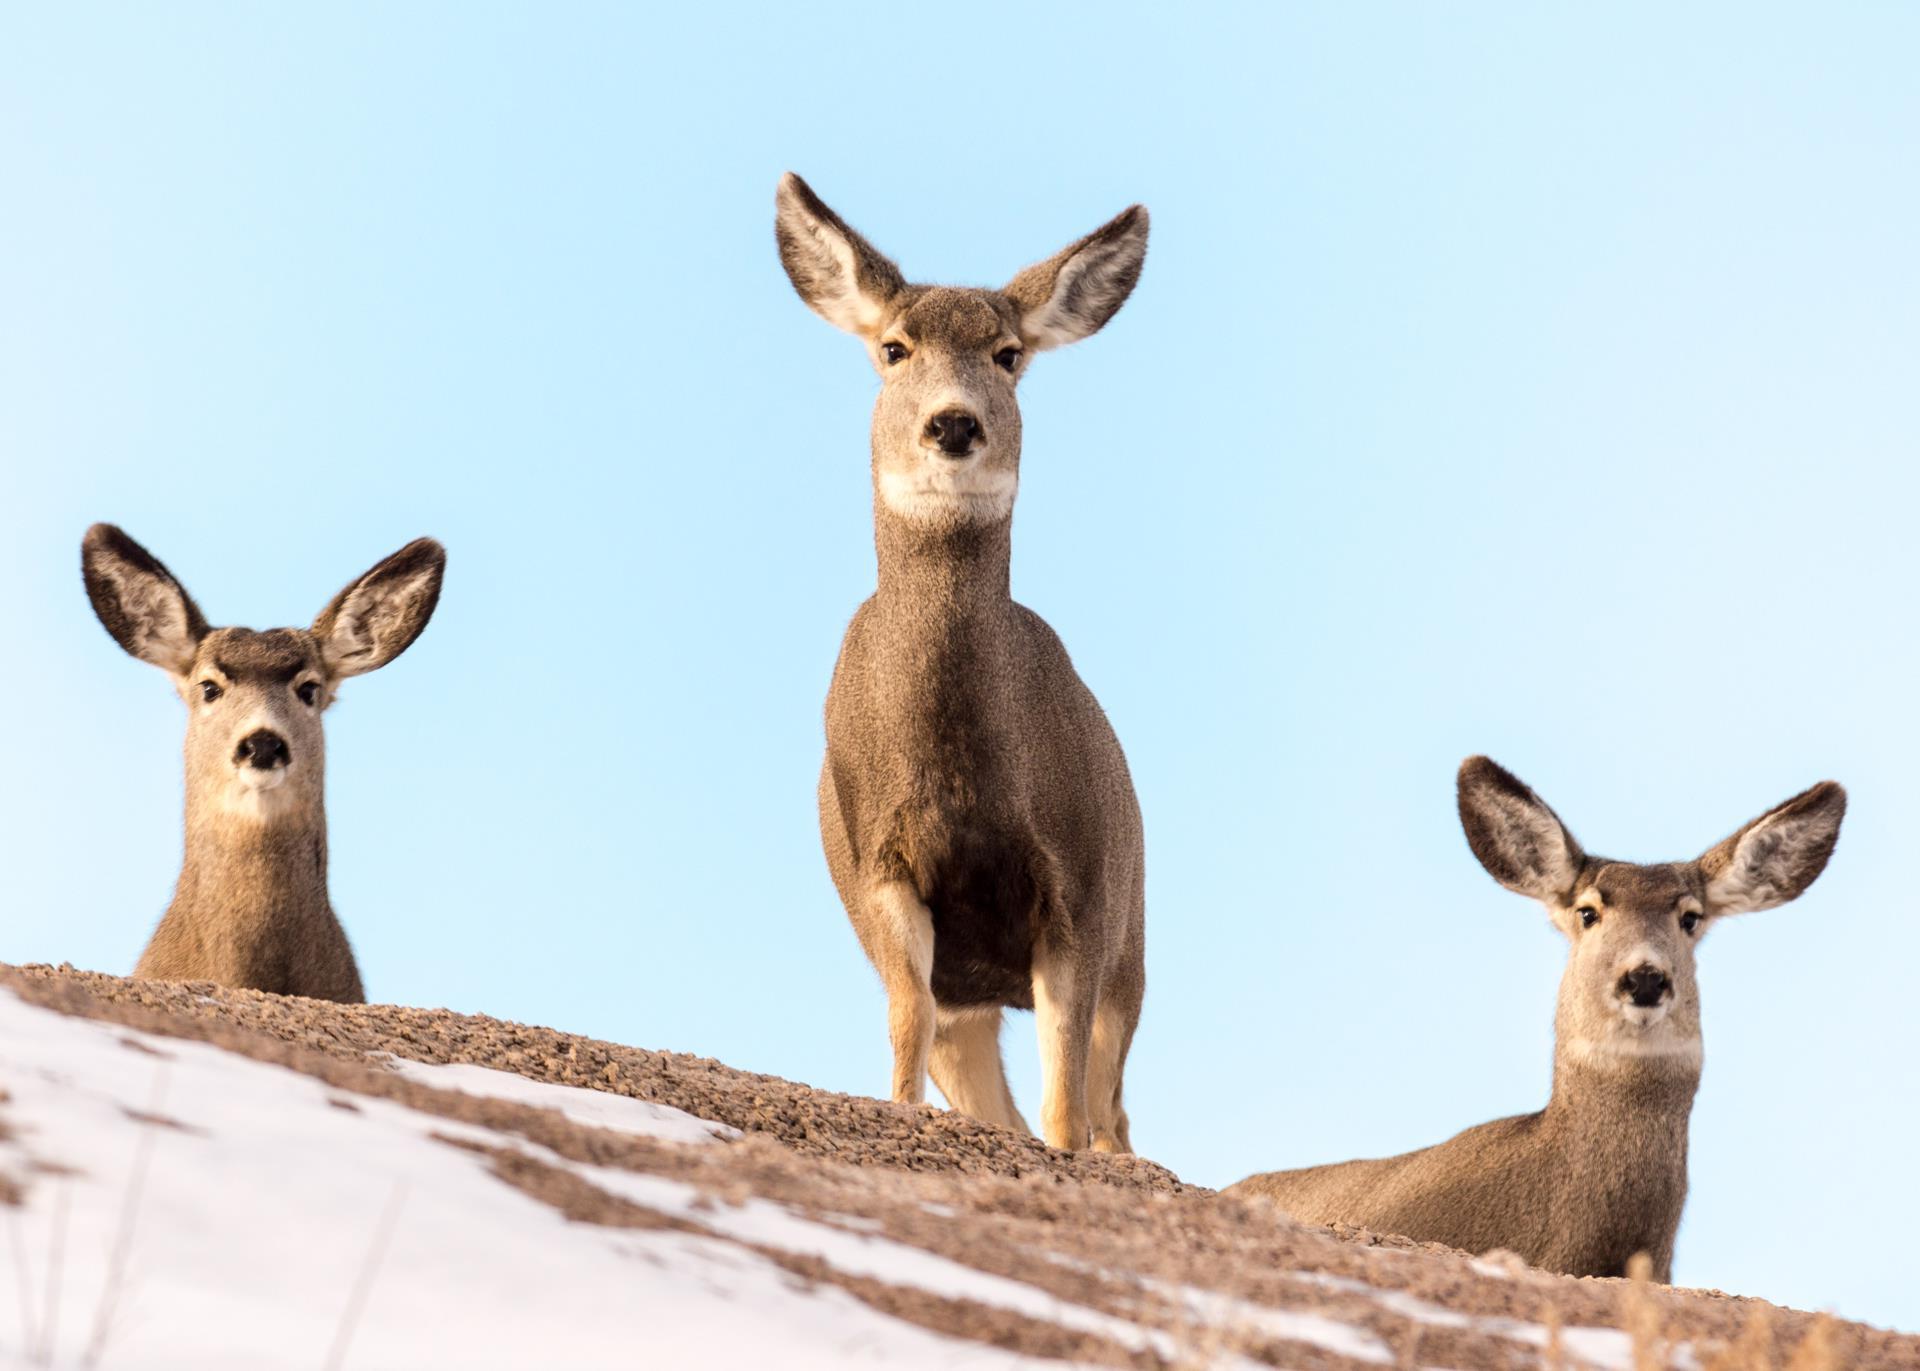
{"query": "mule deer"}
[(978, 818), (251, 909), (1601, 1172)]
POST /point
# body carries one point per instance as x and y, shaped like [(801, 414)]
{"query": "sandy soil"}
[(1219, 1277)]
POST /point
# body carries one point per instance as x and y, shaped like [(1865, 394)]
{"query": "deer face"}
[(1630, 970), (946, 428), (254, 738), (255, 746), (1629, 987)]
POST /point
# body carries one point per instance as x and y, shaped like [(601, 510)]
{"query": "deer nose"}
[(1646, 986), (262, 749), (953, 431)]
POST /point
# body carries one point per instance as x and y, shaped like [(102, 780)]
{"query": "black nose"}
[(263, 749), (1646, 986), (954, 431)]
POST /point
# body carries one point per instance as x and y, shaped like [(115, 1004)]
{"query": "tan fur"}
[(1601, 1172), (250, 909), (967, 1067), (967, 764)]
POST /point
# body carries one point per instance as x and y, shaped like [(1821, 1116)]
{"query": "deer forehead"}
[(269, 657), (1655, 891), (956, 318)]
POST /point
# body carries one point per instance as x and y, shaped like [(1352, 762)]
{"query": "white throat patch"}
[(1616, 1052), (258, 796), (966, 490)]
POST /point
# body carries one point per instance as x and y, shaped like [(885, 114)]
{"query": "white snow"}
[(593, 1108)]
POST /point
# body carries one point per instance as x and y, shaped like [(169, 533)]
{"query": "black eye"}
[(893, 352), (1007, 358), (308, 691), (210, 692), (1689, 921), (1589, 917)]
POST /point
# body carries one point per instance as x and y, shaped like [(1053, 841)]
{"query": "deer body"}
[(1579, 1187), (972, 763), (250, 909), (1601, 1173), (978, 818)]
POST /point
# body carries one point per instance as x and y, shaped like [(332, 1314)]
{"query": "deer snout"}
[(263, 750), (953, 431), (1646, 986)]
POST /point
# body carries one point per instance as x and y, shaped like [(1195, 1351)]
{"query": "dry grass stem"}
[(1554, 1356), (363, 1282), (1641, 1316), (1816, 1351), (123, 1233)]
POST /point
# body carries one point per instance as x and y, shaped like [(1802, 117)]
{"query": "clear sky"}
[(1537, 381)]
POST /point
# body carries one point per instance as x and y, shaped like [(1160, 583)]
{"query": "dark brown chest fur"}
[(979, 885)]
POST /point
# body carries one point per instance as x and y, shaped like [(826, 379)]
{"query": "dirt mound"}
[(1097, 1260)]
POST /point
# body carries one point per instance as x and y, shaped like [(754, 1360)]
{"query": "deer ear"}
[(843, 278), (1072, 294), (1518, 839), (1776, 857), (146, 610), (377, 617)]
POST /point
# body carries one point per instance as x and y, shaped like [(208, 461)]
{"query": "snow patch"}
[(1607, 1349), (582, 1104), (1228, 1312)]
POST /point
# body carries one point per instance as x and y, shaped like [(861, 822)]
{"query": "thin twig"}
[(17, 1234), (123, 1235), (56, 1259), (363, 1283), (1554, 1355)]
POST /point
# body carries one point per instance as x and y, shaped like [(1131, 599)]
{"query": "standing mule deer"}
[(250, 909), (1601, 1172), (975, 806)]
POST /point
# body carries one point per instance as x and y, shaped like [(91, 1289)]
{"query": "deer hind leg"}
[(967, 1067), (1064, 996), (901, 945), (1114, 1019)]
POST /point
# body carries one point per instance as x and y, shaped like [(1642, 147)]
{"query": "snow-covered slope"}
[(196, 1209), (183, 1204)]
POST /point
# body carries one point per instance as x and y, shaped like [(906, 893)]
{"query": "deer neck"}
[(247, 865), (1607, 1088), (942, 578)]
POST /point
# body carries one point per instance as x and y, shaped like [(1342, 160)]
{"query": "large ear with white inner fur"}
[(843, 278), (1518, 839), (1777, 856), (146, 610), (377, 617), (1073, 293)]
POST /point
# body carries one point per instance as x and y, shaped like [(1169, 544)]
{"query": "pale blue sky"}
[(1511, 379)]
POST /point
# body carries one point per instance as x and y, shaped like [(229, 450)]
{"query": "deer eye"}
[(308, 691), (1007, 358), (210, 691), (1690, 921), (893, 352), (1588, 917)]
